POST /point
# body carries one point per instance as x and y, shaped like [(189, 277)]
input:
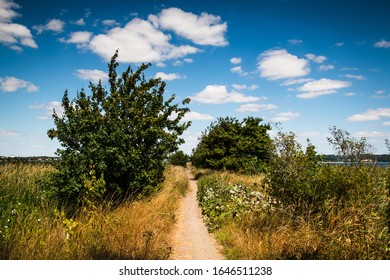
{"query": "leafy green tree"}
[(233, 145), (179, 158), (115, 142)]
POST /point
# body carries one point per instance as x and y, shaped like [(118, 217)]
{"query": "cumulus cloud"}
[(371, 115), (372, 134), (279, 64), (218, 94), (139, 41), (79, 22), (92, 75), (12, 34), (110, 22), (325, 67), (204, 29), (195, 116), (382, 44), (55, 25), (253, 107), (235, 60), (239, 71), (169, 76), (316, 58), (244, 87), (80, 38), (11, 84), (321, 87), (285, 116)]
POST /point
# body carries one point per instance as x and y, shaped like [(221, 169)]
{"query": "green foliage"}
[(115, 142), (347, 147), (179, 158), (233, 145)]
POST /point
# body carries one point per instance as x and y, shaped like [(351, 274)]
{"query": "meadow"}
[(33, 226), (252, 221)]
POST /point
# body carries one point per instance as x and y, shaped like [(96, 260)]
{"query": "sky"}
[(300, 65)]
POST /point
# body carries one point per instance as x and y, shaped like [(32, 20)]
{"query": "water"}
[(380, 164)]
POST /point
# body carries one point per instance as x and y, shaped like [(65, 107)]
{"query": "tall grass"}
[(33, 228), (353, 228)]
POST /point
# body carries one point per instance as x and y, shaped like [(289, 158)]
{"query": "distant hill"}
[(378, 158)]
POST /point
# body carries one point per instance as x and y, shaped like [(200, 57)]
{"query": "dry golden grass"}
[(138, 230)]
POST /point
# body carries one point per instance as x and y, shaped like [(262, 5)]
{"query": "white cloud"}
[(279, 64), (195, 116), (11, 84), (55, 25), (350, 94), (321, 87), (252, 107), (357, 77), (371, 115), (92, 75), (339, 44), (7, 132), (290, 82), (348, 69), (79, 22), (235, 60), (169, 76), (244, 87), (382, 44), (295, 41), (139, 41), (80, 38), (325, 67), (316, 58), (372, 134), (218, 94), (386, 123), (285, 116), (110, 22), (204, 29), (312, 134), (238, 70), (12, 34), (48, 109)]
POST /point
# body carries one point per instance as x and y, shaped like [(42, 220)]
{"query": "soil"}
[(191, 240)]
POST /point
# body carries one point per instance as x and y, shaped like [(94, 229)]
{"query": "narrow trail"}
[(191, 240)]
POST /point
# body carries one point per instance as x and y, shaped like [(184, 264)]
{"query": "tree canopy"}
[(115, 142), (234, 145)]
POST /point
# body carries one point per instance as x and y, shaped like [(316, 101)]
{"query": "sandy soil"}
[(191, 240)]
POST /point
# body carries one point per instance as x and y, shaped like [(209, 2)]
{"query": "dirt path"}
[(191, 240)]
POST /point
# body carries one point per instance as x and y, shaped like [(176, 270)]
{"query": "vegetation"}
[(233, 145), (179, 158), (32, 227), (114, 143), (300, 209)]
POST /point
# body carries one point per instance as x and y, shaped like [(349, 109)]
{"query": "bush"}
[(233, 145), (178, 158), (116, 142)]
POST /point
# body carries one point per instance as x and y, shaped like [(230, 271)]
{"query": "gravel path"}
[(191, 240)]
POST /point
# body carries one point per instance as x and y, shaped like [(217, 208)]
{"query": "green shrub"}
[(115, 143)]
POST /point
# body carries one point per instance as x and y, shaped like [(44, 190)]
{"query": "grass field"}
[(32, 227)]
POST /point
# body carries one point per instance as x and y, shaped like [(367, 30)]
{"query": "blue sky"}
[(308, 65)]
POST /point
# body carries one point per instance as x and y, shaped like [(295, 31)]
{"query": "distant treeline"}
[(35, 159), (377, 158)]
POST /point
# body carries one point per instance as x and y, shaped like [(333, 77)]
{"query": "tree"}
[(115, 142), (347, 147), (233, 145), (178, 158)]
